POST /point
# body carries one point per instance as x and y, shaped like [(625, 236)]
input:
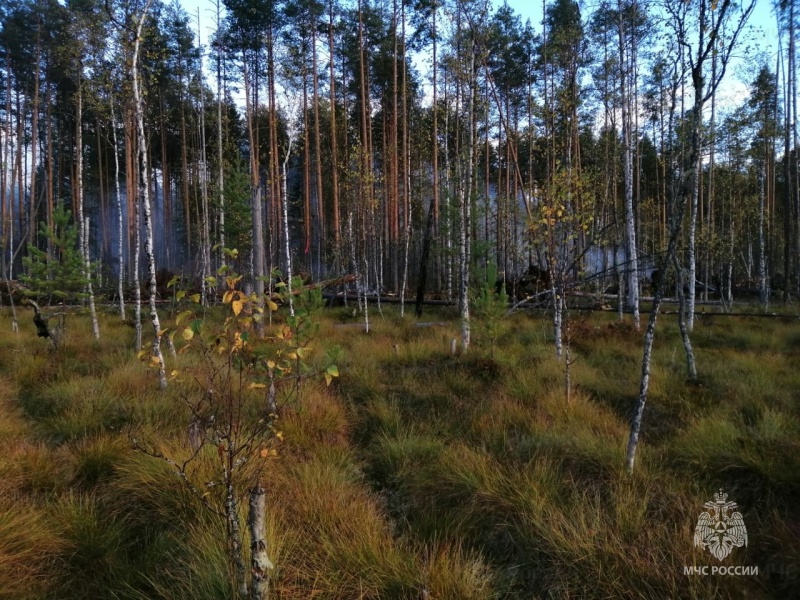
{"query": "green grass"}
[(463, 477)]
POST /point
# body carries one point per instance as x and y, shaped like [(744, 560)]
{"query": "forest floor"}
[(415, 474)]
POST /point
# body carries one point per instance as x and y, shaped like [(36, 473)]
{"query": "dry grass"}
[(463, 477)]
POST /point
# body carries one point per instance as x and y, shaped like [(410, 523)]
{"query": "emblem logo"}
[(718, 529)]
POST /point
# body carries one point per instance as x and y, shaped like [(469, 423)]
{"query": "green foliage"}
[(491, 306), (238, 217), (56, 273)]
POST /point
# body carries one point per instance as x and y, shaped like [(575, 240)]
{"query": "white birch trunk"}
[(464, 269), (465, 201), (364, 287), (220, 174), (287, 245), (144, 187), (405, 265), (205, 242), (83, 224), (692, 248), (260, 564), (88, 271), (691, 365), (729, 266), (9, 159), (558, 301), (688, 186), (448, 260), (234, 535), (762, 244), (121, 260), (796, 141), (137, 284), (632, 260)]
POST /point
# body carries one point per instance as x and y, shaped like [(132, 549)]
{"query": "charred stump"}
[(41, 322)]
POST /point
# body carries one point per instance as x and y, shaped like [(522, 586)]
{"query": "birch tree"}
[(631, 253), (118, 198), (144, 191), (718, 35)]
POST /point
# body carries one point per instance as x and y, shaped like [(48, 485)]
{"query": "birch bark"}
[(144, 190)]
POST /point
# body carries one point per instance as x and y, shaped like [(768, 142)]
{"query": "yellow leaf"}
[(154, 361), (188, 334), (270, 364), (237, 307), (272, 305), (174, 373), (140, 354), (195, 298), (257, 386), (279, 435)]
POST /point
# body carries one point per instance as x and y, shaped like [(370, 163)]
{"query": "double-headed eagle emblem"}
[(718, 530)]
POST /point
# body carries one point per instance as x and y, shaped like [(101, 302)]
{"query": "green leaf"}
[(179, 296), (182, 316), (332, 370)]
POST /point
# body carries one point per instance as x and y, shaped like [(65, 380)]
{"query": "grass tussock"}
[(416, 473), (28, 541)]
